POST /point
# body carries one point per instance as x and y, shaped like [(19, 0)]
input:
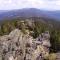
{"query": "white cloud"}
[(41, 4)]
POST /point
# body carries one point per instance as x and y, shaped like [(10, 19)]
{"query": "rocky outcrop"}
[(20, 46)]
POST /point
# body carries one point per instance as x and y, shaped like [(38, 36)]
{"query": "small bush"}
[(52, 56)]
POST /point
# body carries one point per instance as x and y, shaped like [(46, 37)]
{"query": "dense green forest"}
[(38, 26)]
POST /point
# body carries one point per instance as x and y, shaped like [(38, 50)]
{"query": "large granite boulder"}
[(20, 46)]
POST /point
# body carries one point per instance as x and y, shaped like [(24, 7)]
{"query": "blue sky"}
[(40, 4)]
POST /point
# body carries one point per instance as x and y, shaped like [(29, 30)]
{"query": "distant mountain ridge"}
[(29, 12)]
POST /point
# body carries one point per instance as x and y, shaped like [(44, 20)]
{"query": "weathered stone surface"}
[(20, 46)]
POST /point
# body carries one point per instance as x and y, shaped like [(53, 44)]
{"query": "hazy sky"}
[(41, 4)]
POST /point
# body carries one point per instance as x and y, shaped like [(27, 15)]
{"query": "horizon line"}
[(27, 8)]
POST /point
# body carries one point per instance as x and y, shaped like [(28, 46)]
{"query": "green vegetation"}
[(55, 41), (39, 25), (52, 56)]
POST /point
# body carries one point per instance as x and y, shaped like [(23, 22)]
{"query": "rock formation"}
[(20, 46)]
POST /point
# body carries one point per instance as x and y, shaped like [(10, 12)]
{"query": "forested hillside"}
[(35, 25)]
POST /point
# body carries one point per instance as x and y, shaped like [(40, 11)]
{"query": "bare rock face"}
[(20, 46)]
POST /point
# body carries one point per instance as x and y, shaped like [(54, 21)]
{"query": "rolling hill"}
[(29, 12)]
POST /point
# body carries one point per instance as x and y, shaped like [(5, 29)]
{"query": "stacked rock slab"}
[(42, 43), (20, 46)]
